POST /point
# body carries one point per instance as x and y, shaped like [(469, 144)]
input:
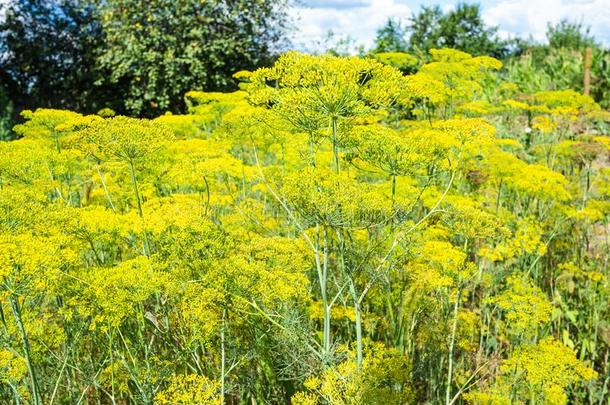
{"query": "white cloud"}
[(530, 17), (338, 4), (358, 19)]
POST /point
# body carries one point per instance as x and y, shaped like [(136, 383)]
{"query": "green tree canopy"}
[(462, 28), (391, 37), (47, 53), (572, 35), (161, 49)]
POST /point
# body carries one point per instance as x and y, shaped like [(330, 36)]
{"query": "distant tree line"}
[(463, 28)]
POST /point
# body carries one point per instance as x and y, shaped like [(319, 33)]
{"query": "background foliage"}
[(133, 56)]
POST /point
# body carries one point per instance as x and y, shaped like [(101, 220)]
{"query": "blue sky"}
[(359, 19)]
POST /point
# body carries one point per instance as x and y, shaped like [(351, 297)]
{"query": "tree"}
[(159, 50), (566, 34), (48, 50), (462, 28), (6, 113), (425, 28), (391, 37)]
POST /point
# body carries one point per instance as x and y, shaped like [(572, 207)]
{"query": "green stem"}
[(499, 195), (99, 173), (26, 348), (311, 150), (323, 285), (451, 344), (358, 314), (335, 145), (393, 190), (134, 182), (358, 335), (135, 188), (322, 270), (207, 190), (56, 142), (15, 394), (111, 350), (223, 358), (56, 387)]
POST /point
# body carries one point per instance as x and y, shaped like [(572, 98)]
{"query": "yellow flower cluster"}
[(113, 294), (547, 367), (524, 305), (190, 389), (324, 197), (538, 373), (527, 239), (122, 138), (382, 380), (400, 60), (451, 77)]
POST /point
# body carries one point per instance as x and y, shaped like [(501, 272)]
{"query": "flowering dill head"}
[(451, 76), (525, 307), (43, 122), (312, 86), (123, 138)]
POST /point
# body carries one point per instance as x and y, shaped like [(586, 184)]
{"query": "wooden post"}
[(587, 74)]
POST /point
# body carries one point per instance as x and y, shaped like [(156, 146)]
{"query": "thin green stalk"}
[(106, 193), (335, 144), (61, 371), (135, 188), (223, 358), (451, 344), (207, 190), (134, 183), (499, 196), (311, 150), (358, 335), (357, 301), (15, 394), (323, 288), (283, 158), (56, 141), (393, 190), (26, 349), (358, 314), (321, 266), (111, 350)]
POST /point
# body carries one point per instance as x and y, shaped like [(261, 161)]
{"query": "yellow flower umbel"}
[(547, 368), (42, 124), (538, 373), (190, 389), (525, 307), (452, 77)]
